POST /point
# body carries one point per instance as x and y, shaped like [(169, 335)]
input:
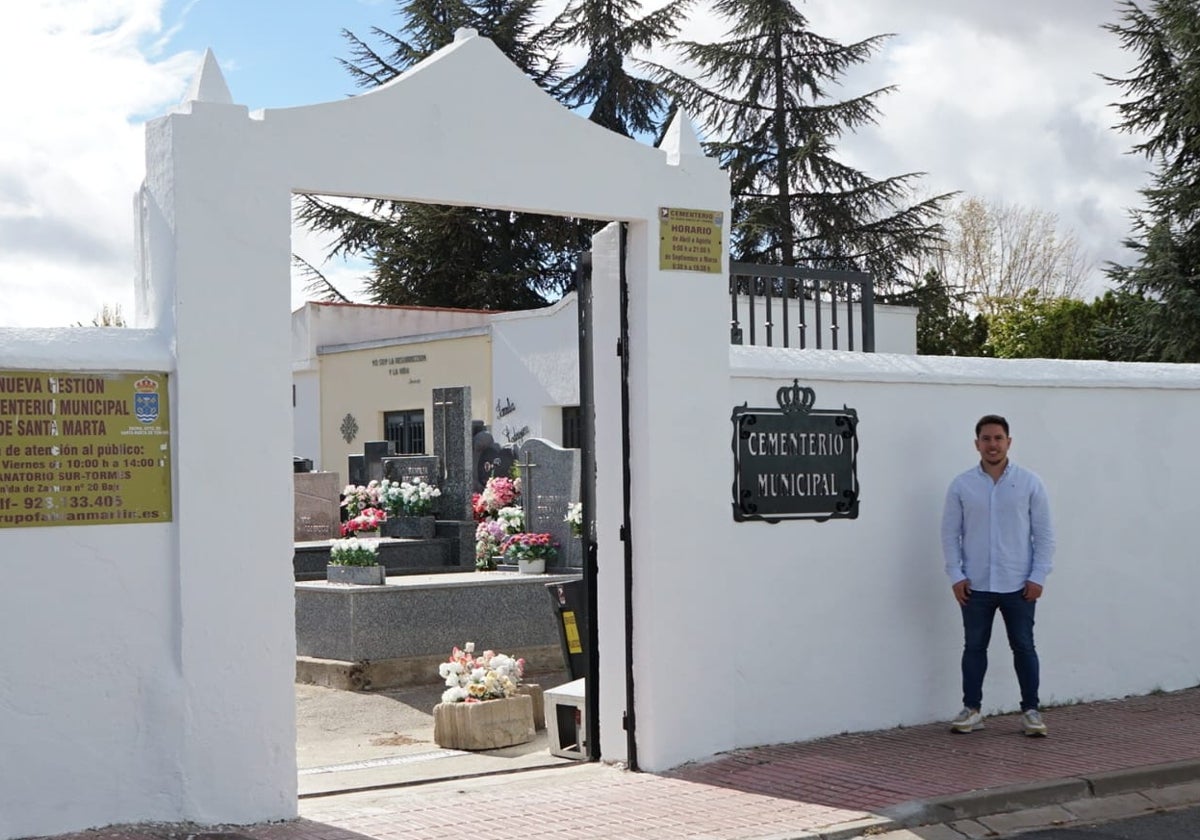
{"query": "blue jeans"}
[(978, 615)]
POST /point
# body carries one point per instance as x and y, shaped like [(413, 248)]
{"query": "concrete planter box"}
[(360, 575), (489, 725)]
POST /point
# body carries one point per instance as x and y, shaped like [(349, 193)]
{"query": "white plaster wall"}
[(535, 365), (849, 624), (306, 416), (91, 704)]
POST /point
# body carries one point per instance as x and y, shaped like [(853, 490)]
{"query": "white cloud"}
[(997, 100), (77, 83)]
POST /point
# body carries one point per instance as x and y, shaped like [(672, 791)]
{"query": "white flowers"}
[(408, 499), (574, 518), (471, 679), (512, 518), (353, 552)]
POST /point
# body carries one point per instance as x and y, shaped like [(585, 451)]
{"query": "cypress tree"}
[(762, 93), (1162, 109)]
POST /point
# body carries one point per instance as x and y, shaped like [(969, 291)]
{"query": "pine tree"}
[(611, 31), (1161, 107), (762, 93), (452, 256)]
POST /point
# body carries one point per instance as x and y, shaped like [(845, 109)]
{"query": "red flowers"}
[(529, 547)]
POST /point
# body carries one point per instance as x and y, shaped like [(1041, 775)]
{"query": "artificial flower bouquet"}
[(490, 533), (574, 518), (473, 679), (353, 552), (368, 520), (529, 547), (358, 497), (498, 493), (406, 498)]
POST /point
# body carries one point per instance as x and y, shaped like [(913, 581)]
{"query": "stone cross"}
[(527, 498)]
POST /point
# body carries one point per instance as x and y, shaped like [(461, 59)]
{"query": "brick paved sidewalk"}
[(873, 771), (832, 787)]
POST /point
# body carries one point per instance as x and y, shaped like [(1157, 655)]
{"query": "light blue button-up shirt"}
[(997, 535)]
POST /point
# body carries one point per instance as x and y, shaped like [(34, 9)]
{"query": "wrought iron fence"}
[(782, 306)]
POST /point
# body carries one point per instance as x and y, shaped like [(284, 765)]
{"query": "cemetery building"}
[(364, 372)]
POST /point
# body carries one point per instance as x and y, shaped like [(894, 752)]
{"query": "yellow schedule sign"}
[(83, 448), (690, 240)]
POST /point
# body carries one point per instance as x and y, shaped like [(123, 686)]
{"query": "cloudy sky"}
[(998, 100)]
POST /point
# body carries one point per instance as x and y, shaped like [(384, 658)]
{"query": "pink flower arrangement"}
[(358, 497), (369, 520), (497, 493), (529, 547)]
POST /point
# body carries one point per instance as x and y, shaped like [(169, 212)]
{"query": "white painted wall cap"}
[(208, 85), (842, 365)]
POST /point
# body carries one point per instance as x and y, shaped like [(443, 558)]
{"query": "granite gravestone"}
[(413, 468), (452, 446), (549, 484), (316, 514)]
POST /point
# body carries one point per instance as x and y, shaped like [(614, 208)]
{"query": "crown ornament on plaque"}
[(795, 399), (145, 385)]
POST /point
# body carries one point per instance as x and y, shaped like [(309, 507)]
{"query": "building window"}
[(406, 429), (572, 427)]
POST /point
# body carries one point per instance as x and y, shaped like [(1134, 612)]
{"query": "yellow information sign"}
[(83, 448), (572, 631), (690, 240)]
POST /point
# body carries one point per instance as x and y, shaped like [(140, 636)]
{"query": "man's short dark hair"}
[(991, 420)]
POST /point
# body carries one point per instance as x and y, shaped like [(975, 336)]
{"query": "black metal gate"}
[(796, 300)]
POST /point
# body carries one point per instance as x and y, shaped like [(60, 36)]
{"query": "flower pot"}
[(359, 575), (489, 725), (364, 535), (531, 566), (410, 527)]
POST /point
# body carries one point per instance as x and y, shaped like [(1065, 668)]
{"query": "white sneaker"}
[(968, 720), (1033, 724)]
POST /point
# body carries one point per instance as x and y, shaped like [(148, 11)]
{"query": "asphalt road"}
[(1183, 824)]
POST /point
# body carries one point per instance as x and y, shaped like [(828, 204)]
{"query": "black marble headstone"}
[(356, 470), (374, 451)]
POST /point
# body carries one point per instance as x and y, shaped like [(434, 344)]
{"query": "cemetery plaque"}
[(794, 461), (690, 240), (84, 448)]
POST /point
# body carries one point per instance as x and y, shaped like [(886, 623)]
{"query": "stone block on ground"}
[(489, 725)]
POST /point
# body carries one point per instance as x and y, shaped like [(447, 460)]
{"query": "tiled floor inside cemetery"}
[(362, 739)]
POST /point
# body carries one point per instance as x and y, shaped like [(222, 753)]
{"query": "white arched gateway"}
[(162, 688)]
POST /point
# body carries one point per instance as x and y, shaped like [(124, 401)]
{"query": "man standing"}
[(998, 544)]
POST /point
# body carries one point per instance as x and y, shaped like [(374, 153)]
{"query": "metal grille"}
[(781, 306), (407, 430)]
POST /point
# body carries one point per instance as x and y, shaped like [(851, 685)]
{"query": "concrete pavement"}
[(1102, 760)]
